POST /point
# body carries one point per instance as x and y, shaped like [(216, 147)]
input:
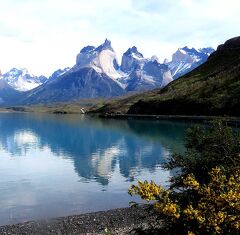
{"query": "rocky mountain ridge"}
[(22, 80), (97, 73), (185, 60), (212, 89)]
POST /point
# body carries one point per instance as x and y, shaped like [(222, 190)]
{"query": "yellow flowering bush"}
[(206, 147), (147, 190), (212, 208)]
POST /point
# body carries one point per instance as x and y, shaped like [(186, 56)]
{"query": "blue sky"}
[(44, 35)]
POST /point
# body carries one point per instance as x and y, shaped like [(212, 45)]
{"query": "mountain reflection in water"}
[(37, 153)]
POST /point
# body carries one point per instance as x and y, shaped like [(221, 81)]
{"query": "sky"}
[(45, 35)]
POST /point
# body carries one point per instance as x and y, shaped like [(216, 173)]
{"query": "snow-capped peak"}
[(87, 49), (207, 50), (165, 61), (59, 73), (24, 71), (130, 59), (182, 51), (102, 59), (105, 46), (186, 59), (133, 52), (182, 55), (22, 80), (154, 58)]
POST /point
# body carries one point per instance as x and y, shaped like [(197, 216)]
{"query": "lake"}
[(58, 165)]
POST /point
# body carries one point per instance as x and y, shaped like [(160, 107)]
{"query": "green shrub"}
[(206, 147), (204, 197)]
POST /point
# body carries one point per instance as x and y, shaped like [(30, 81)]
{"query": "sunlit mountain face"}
[(98, 74)]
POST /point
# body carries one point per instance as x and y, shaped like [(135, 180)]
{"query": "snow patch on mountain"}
[(22, 80), (107, 58), (143, 74), (135, 73), (97, 73), (102, 59), (130, 59), (186, 59), (59, 73)]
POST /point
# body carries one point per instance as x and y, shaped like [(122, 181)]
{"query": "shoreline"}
[(230, 120), (120, 221)]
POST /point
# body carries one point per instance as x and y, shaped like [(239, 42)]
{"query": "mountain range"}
[(213, 88), (185, 60), (98, 74), (22, 80)]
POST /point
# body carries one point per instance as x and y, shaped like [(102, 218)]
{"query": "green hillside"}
[(211, 89)]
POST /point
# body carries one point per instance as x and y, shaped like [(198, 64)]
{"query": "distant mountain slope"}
[(102, 59), (93, 75), (22, 80), (7, 93), (211, 89), (59, 73), (97, 74), (84, 83), (143, 74), (185, 60)]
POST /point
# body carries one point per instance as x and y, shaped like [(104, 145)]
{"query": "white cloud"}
[(44, 35)]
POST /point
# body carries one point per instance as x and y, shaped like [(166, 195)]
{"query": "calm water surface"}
[(53, 165)]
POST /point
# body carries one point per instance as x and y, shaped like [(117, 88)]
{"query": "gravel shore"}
[(118, 221)]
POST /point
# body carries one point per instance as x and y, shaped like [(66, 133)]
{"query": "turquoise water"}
[(57, 165)]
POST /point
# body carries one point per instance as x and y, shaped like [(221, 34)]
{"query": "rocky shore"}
[(134, 220)]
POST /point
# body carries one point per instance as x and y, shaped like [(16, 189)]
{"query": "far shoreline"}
[(233, 121)]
